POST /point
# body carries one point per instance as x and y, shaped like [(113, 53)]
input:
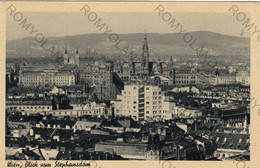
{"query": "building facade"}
[(30, 106), (71, 60), (143, 103), (64, 76), (101, 76)]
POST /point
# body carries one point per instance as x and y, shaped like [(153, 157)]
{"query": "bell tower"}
[(66, 57), (145, 56), (77, 57)]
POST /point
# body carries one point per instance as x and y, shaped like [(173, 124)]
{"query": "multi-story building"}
[(91, 108), (64, 76), (107, 83), (142, 103), (30, 106), (225, 79), (243, 77), (186, 76), (139, 102), (9, 75)]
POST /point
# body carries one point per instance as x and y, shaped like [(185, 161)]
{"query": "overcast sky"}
[(75, 23)]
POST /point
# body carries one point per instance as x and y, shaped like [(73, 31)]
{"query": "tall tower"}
[(66, 57), (77, 57), (145, 56), (159, 67)]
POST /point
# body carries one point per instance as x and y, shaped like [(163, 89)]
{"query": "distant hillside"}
[(159, 44)]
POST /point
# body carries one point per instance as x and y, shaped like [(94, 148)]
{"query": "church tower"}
[(66, 57), (77, 57), (145, 56)]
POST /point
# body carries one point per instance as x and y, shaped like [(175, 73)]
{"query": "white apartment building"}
[(148, 103), (140, 102)]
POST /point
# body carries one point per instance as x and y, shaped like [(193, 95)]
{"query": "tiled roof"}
[(233, 141)]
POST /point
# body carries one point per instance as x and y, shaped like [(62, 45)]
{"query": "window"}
[(134, 102), (147, 88), (147, 102)]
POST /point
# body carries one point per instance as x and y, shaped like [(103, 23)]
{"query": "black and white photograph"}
[(158, 85)]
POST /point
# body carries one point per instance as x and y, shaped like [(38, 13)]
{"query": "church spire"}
[(66, 52), (145, 55), (77, 51), (145, 45)]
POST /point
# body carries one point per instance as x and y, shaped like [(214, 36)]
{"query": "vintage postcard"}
[(130, 84)]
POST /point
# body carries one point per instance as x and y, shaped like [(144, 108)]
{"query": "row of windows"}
[(182, 72), (184, 82), (82, 112), (154, 112), (29, 107), (185, 77), (42, 78)]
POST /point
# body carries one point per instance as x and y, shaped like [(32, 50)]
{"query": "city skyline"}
[(89, 104)]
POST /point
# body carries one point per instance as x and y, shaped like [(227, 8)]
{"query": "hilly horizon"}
[(162, 45)]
